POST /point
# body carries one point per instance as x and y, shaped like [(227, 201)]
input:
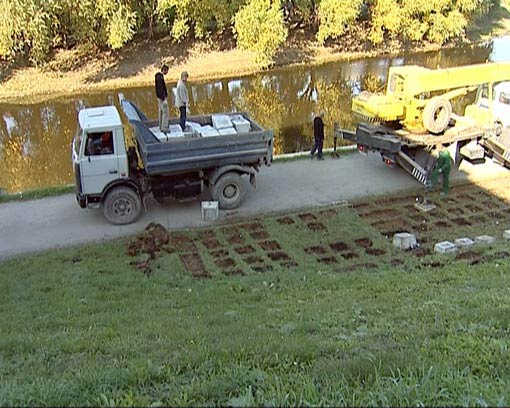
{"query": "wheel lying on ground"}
[(122, 206), (229, 191), (437, 114)]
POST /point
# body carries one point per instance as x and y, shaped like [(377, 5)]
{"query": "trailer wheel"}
[(229, 191), (122, 206), (498, 128), (437, 114)]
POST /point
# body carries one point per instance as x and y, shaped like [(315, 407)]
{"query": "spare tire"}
[(437, 114)]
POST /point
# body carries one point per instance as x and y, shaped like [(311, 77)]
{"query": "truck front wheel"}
[(122, 206), (229, 191)]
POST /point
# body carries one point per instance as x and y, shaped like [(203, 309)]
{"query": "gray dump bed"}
[(194, 152)]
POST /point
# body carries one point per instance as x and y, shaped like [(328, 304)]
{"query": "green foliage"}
[(433, 20), (259, 27), (335, 16)]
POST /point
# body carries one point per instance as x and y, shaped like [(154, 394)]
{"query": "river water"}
[(35, 139)]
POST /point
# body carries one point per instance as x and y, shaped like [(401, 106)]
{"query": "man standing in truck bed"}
[(182, 99), (162, 95)]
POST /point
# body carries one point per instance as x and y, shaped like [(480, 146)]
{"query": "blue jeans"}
[(317, 147), (182, 120)]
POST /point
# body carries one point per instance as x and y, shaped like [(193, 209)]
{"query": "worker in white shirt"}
[(182, 99)]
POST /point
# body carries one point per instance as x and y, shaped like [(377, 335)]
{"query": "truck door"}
[(99, 164)]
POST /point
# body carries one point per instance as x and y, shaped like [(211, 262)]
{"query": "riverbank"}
[(85, 70)]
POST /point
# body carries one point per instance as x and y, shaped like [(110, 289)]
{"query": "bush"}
[(335, 16), (259, 27)]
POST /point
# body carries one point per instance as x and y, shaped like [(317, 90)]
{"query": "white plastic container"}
[(221, 121)]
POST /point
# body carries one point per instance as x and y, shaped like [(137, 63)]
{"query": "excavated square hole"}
[(364, 242), (225, 263), (385, 213), (339, 246), (285, 221), (350, 255), (236, 239), (278, 256), (262, 269), (221, 253), (329, 260), (316, 250), (233, 230), (254, 226), (316, 226), (206, 235), (182, 243), (194, 265), (258, 235), (328, 213), (211, 243), (307, 217), (233, 272), (421, 252), (358, 206), (396, 262), (253, 260), (461, 221), (248, 249), (442, 224), (290, 264), (270, 245), (456, 211), (434, 264), (375, 251)]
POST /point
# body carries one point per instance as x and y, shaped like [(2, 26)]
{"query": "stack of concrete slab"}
[(162, 137), (208, 131), (175, 131), (223, 124), (241, 124), (227, 132)]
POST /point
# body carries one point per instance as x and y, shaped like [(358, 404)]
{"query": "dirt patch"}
[(339, 246), (270, 246), (245, 250), (263, 268), (490, 205), (316, 250), (253, 260), (375, 251), (307, 217), (211, 243), (206, 235), (182, 243), (364, 242), (316, 226), (290, 264), (456, 211), (474, 208), (221, 253), (434, 264), (254, 226), (472, 257), (461, 221), (496, 256), (396, 262), (225, 263), (328, 213), (236, 239), (358, 206), (258, 235), (194, 265), (329, 260), (350, 255), (442, 224), (230, 230), (233, 272), (418, 218), (278, 256), (285, 221)]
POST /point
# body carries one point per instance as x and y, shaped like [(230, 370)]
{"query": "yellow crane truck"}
[(414, 117)]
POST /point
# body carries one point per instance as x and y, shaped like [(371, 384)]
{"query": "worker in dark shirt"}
[(162, 95), (318, 134)]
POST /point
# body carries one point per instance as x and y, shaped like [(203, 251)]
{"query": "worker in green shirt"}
[(443, 166)]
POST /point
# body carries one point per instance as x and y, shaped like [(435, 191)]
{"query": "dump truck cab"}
[(99, 153)]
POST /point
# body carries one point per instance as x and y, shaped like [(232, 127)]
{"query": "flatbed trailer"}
[(415, 152)]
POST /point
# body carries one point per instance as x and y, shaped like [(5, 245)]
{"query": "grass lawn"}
[(312, 308)]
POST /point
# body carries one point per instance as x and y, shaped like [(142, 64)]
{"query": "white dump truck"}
[(117, 167)]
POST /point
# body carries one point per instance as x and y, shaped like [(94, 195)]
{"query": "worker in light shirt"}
[(182, 99)]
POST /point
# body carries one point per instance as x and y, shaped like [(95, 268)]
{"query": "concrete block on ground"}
[(404, 240), (485, 239), (445, 247), (425, 207), (210, 211), (464, 242), (473, 151), (506, 234)]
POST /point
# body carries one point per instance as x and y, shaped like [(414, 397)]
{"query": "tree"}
[(259, 27), (335, 16)]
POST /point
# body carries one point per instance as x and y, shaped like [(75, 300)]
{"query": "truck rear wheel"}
[(437, 114), (122, 206), (229, 191)]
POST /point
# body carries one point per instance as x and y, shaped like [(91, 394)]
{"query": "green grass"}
[(82, 326), (37, 194)]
